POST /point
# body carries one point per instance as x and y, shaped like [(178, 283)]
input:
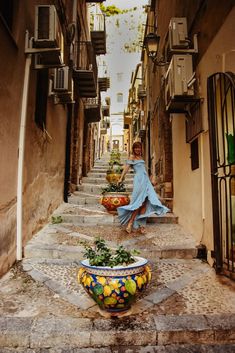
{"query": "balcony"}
[(85, 70), (92, 109), (98, 33), (104, 83), (106, 110), (141, 92), (103, 128)]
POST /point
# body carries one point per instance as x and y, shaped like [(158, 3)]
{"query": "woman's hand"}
[(120, 181), (153, 180)]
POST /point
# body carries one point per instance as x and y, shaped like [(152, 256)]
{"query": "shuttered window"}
[(41, 98)]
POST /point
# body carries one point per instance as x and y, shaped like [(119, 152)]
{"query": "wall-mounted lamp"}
[(151, 44)]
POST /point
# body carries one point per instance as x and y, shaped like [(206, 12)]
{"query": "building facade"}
[(189, 118), (48, 78)]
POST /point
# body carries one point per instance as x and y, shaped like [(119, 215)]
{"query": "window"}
[(119, 76), (194, 154), (119, 97), (41, 98), (6, 12)]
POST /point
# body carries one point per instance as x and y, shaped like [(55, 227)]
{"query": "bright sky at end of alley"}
[(125, 4)]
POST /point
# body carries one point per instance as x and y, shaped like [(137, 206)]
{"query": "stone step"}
[(97, 174), (159, 330), (167, 218), (47, 243), (97, 189), (81, 198), (90, 180), (105, 219), (103, 175)]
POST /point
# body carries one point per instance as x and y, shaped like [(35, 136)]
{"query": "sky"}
[(125, 4)]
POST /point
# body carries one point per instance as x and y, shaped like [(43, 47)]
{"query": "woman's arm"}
[(125, 170)]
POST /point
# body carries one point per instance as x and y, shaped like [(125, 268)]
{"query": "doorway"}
[(221, 109)]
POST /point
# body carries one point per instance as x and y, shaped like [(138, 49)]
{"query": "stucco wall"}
[(192, 189), (187, 183), (44, 156)]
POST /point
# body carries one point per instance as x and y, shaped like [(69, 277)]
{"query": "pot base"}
[(114, 314)]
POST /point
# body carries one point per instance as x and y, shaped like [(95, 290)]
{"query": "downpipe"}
[(21, 149)]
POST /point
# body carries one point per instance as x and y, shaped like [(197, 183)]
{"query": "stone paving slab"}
[(184, 348), (68, 332)]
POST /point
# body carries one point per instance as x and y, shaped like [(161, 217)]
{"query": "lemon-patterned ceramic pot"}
[(113, 177), (115, 289), (112, 200)]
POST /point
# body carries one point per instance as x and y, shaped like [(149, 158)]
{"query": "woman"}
[(144, 200)]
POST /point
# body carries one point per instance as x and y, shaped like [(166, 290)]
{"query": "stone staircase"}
[(89, 192)]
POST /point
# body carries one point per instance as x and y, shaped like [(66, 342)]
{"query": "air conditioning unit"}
[(48, 34), (178, 81), (178, 33), (62, 79), (141, 91), (63, 86)]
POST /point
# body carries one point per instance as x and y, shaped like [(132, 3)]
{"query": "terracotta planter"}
[(115, 289), (112, 200), (113, 178)]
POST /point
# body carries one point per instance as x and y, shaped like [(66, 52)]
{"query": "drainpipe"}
[(19, 210)]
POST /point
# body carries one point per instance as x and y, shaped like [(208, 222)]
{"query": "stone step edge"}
[(73, 253), (158, 330)]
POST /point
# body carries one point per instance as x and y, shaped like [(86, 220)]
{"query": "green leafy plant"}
[(115, 161), (114, 188), (56, 219), (101, 255)]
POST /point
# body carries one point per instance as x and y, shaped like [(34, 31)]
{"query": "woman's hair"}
[(136, 144)]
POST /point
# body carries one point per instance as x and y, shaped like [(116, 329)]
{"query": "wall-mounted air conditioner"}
[(48, 34), (179, 81), (63, 86), (141, 92), (62, 79), (47, 31), (178, 33)]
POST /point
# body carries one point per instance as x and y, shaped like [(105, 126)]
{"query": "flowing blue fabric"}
[(142, 190)]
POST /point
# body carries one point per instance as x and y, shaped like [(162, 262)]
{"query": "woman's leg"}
[(131, 220), (140, 210)]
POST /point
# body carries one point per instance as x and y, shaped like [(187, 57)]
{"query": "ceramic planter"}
[(115, 289), (112, 200), (113, 178)]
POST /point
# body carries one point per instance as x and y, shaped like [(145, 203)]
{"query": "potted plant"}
[(114, 195), (113, 278), (113, 173)]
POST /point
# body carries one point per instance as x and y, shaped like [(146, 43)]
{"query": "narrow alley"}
[(117, 174)]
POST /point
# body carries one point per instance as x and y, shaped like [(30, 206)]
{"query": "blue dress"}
[(142, 190)]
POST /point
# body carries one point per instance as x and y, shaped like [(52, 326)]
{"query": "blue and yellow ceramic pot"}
[(115, 289)]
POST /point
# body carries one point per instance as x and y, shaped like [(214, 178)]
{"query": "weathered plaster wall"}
[(44, 156)]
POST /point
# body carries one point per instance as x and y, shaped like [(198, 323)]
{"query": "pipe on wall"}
[(19, 209)]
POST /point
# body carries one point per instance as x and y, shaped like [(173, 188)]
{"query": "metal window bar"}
[(221, 108)]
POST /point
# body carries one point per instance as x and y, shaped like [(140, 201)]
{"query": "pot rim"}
[(141, 261), (116, 192)]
